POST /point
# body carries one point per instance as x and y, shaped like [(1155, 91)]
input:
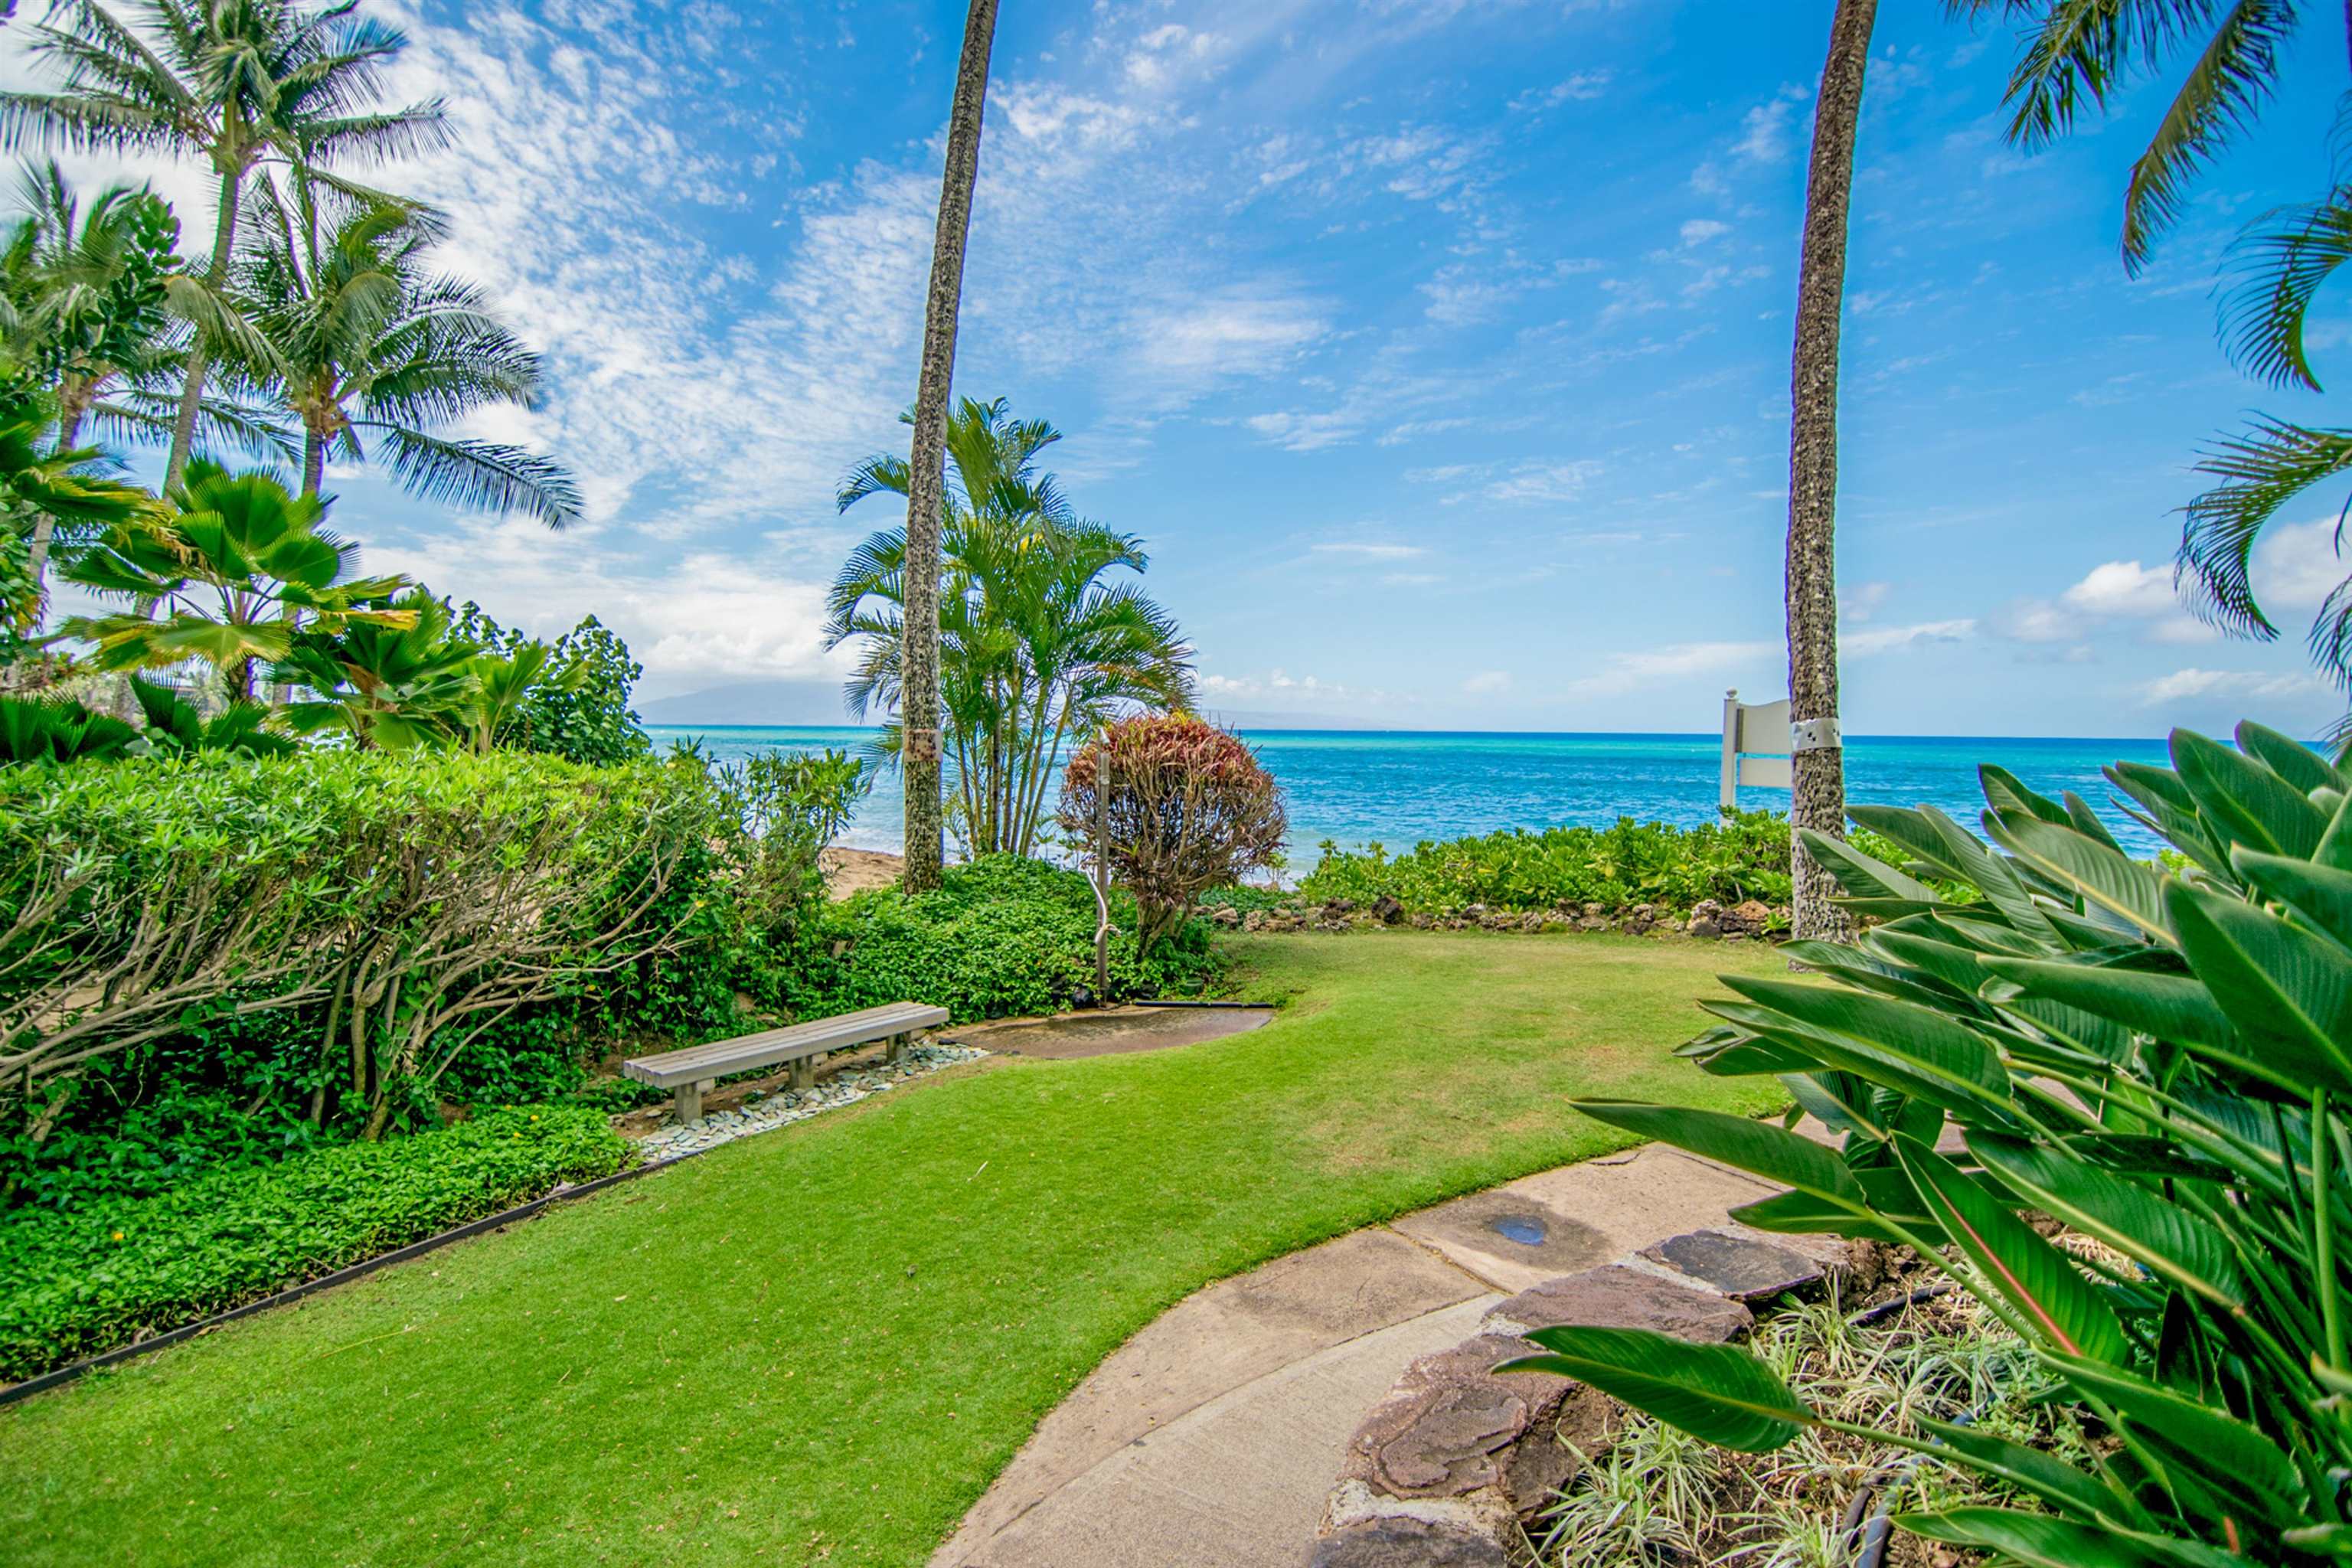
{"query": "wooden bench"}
[(695, 1070)]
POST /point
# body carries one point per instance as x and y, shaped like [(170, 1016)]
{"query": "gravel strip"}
[(787, 1106)]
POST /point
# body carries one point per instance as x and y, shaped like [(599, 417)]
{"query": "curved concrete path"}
[(1211, 1440)]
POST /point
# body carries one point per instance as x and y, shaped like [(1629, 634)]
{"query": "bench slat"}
[(814, 1037)]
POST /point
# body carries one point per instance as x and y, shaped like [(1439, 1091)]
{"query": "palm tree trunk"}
[(1818, 770), (926, 481), (314, 461), (73, 403), (192, 391)]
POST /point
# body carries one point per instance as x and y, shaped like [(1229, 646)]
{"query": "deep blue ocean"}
[(1399, 787)]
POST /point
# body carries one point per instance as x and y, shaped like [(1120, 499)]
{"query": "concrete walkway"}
[(1211, 1440)]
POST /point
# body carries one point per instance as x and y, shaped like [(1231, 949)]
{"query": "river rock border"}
[(788, 1105), (1447, 1468)]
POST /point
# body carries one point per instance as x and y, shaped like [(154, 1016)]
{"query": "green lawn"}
[(821, 1344)]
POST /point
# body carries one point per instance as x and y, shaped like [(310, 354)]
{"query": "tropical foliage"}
[(2156, 1061), (1742, 857), (2078, 56), (1041, 640), (1175, 806)]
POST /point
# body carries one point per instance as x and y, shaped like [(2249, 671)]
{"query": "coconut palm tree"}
[(234, 568), (236, 83), (99, 312), (1039, 643), (2078, 54), (1817, 794), (925, 503), (367, 348)]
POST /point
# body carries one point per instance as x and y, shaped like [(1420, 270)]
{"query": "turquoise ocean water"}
[(1398, 787)]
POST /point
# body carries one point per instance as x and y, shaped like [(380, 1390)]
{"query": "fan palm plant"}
[(364, 346), (43, 490), (231, 569), (236, 83), (389, 685)]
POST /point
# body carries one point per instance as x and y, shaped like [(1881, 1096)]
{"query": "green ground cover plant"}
[(821, 1344), (2160, 1062), (77, 1284), (1745, 855)]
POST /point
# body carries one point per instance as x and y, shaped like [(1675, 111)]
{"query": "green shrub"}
[(74, 1285), (1004, 936), (2161, 1062), (488, 924), (1745, 855)]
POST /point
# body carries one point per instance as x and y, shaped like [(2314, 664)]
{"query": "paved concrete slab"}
[(1215, 1341), (1580, 1216), (1113, 1031), (1238, 1482)]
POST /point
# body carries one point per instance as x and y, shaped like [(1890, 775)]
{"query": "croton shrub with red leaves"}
[(1188, 807)]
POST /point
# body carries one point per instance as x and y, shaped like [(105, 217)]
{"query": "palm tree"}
[(2079, 54), (238, 561), (364, 344), (1037, 648), (99, 308), (44, 488), (1816, 798), (234, 82), (926, 498)]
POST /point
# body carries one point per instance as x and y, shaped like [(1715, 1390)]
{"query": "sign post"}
[(1756, 747)]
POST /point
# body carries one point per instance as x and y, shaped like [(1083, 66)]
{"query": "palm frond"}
[(2260, 472), (2222, 95), (480, 474)]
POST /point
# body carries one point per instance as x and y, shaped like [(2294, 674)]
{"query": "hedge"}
[(75, 1284)]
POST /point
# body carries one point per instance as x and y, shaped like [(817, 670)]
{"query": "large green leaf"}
[(2168, 1006), (2170, 1241), (1952, 965), (1718, 1393), (2334, 850), (1992, 877), (2283, 987), (2292, 761), (1864, 875), (2055, 1482), (1924, 1045), (2044, 1540), (1757, 1147), (2320, 894), (2044, 1288), (1893, 1212), (2004, 791), (2109, 881), (2222, 1453), (2246, 802), (1840, 1054)]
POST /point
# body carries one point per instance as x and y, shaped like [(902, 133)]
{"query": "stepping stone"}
[(1407, 1544), (1742, 1268), (1448, 1428), (1618, 1297)]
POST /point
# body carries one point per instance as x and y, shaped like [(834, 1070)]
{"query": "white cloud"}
[(1546, 482), (1622, 672), (2297, 565), (1371, 551), (2124, 588), (1699, 230), (1861, 601), (2038, 621), (1488, 683), (1885, 640), (2183, 685), (1764, 129), (1582, 87)]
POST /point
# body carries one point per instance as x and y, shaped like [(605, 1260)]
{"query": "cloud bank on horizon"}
[(1439, 349)]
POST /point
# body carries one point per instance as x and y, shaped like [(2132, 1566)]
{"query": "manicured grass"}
[(821, 1344)]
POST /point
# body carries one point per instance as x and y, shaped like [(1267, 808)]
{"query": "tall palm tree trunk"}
[(927, 480), (73, 403), (192, 390), (1818, 766)]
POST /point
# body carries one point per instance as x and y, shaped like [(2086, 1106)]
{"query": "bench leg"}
[(805, 1073), (689, 1104), (898, 1048)]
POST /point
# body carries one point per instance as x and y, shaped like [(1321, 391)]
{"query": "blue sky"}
[(1440, 350)]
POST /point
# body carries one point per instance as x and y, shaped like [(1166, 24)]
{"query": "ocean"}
[(1398, 787)]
